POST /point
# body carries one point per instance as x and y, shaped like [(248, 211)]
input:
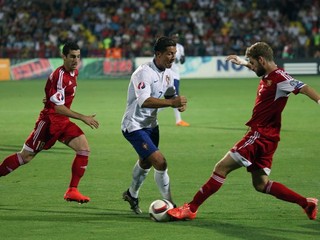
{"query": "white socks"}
[(177, 115), (161, 178), (138, 176), (163, 182)]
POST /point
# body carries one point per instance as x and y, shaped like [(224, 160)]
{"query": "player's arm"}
[(89, 120), (58, 99), (311, 93), (239, 61), (175, 102)]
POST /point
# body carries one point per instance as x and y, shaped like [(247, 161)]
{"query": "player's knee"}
[(220, 169), (160, 164), (84, 152), (259, 187), (26, 157)]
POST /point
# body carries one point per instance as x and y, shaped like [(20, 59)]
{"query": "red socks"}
[(11, 163), (79, 166), (210, 187), (280, 191)]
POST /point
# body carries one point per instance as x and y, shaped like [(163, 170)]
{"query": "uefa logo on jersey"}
[(59, 96), (141, 85)]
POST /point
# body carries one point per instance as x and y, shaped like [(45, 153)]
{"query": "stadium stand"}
[(35, 28)]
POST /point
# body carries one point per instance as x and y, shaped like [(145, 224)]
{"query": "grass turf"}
[(32, 205)]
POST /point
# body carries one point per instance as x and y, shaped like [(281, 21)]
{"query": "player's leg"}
[(33, 145), (142, 143), (189, 210), (15, 160), (74, 138), (220, 172), (262, 184), (131, 195), (231, 161), (161, 175), (159, 163)]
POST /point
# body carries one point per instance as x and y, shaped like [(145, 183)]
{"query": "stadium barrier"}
[(104, 68)]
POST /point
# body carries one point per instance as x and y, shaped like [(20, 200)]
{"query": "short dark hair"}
[(68, 47), (162, 43), (260, 49)]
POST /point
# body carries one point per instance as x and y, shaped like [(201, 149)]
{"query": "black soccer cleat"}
[(134, 202)]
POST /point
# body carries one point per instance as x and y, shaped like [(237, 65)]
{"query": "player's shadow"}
[(237, 231), (76, 214)]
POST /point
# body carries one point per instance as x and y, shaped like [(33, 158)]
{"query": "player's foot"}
[(73, 195), (182, 213), (182, 124), (134, 202), (312, 209)]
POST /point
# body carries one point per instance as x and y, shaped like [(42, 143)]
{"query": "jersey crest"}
[(167, 79), (141, 85)]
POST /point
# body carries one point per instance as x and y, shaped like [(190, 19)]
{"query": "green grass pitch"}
[(32, 205)]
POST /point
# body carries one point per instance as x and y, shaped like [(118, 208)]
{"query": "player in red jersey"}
[(255, 150), (53, 124)]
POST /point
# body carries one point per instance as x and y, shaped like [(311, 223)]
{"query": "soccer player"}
[(151, 87), (53, 124), (255, 150), (180, 59)]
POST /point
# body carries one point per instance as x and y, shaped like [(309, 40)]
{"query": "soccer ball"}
[(158, 210)]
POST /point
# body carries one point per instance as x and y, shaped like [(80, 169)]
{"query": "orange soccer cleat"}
[(312, 209), (182, 213), (182, 124), (73, 195)]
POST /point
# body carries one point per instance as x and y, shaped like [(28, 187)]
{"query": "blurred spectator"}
[(35, 28)]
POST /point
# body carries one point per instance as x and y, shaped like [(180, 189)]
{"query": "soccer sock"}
[(177, 115), (79, 166), (163, 181), (280, 191), (210, 187), (138, 176), (11, 163)]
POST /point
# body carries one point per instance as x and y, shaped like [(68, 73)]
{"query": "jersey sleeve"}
[(142, 86), (57, 93), (291, 85)]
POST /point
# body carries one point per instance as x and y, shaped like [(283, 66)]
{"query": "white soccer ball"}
[(158, 210)]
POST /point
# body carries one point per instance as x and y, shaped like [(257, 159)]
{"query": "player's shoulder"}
[(144, 71), (179, 45), (279, 75), (55, 73)]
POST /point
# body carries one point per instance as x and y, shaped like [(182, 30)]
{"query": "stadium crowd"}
[(113, 28)]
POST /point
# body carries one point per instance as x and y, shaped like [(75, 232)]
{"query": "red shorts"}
[(254, 151), (45, 134)]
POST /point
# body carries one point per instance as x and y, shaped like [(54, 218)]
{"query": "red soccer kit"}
[(256, 149), (60, 89)]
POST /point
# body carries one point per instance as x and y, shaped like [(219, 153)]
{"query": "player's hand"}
[(182, 108), (237, 60), (179, 101), (90, 121)]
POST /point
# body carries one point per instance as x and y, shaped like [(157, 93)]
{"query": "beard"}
[(260, 70)]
